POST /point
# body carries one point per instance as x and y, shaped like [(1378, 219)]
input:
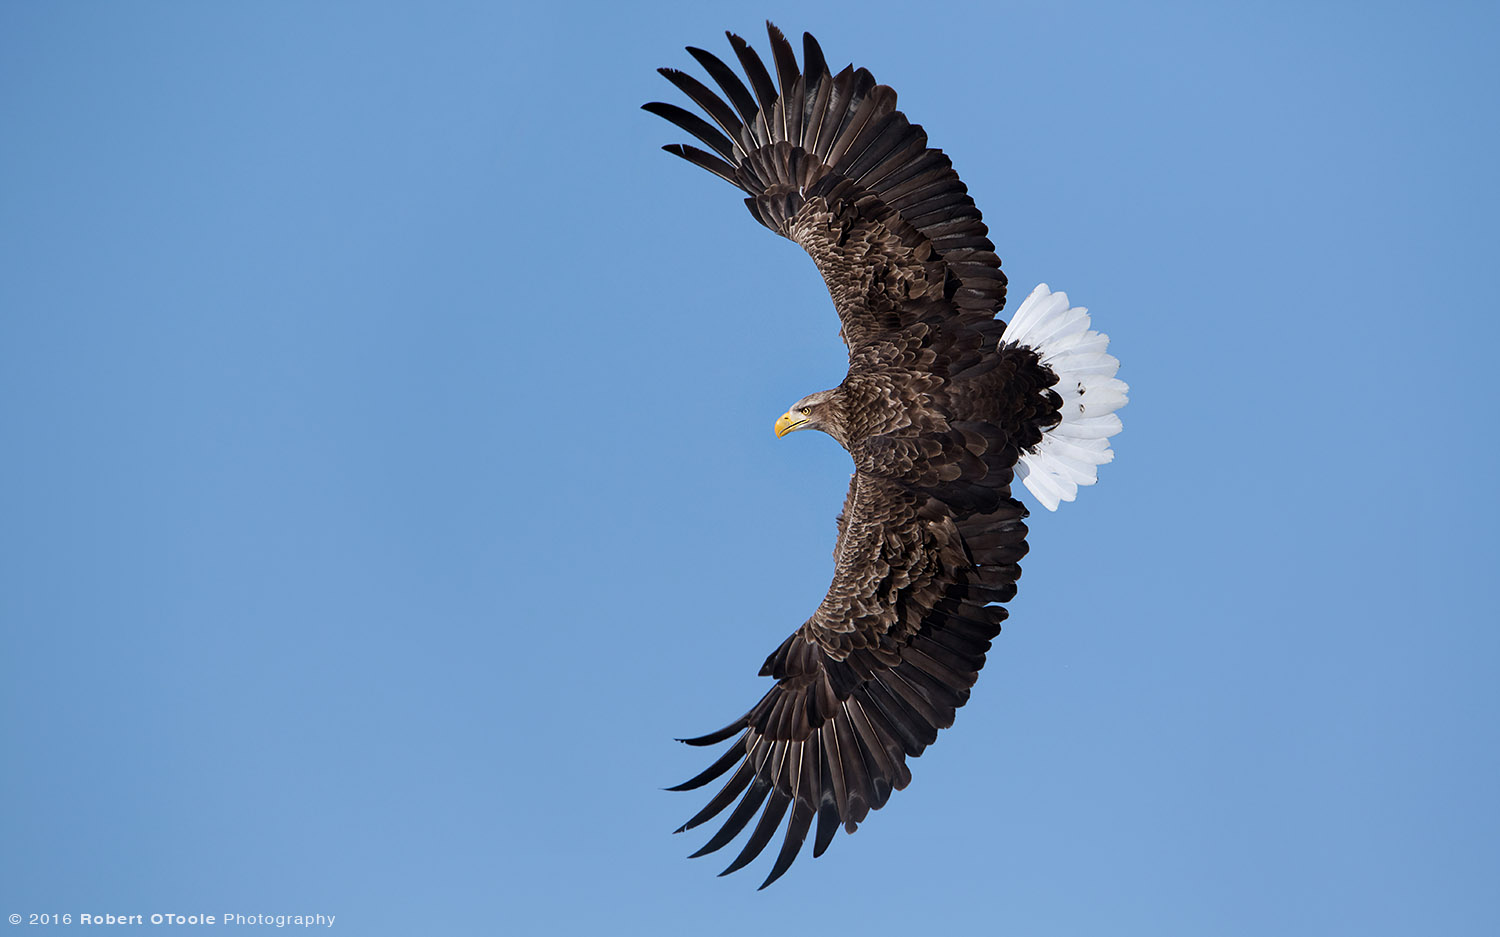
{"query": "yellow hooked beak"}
[(789, 421)]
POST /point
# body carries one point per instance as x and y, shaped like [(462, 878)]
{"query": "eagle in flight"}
[(943, 407)]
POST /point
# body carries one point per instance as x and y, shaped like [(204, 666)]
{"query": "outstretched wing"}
[(883, 664), (829, 162)]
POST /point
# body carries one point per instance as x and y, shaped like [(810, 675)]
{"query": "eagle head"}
[(815, 411)]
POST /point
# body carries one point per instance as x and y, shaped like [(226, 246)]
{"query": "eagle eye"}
[(807, 411)]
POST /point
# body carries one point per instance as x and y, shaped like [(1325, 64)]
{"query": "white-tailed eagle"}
[(943, 406)]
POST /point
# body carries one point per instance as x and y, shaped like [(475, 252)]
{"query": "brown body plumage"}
[(934, 412)]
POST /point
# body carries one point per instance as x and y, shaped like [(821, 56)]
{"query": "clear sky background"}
[(388, 473)]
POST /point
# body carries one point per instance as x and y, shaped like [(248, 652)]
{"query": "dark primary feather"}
[(933, 412)]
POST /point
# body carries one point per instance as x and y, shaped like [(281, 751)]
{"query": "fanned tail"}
[(1071, 452)]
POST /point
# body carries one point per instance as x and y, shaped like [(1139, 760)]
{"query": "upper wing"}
[(829, 162), (882, 665)]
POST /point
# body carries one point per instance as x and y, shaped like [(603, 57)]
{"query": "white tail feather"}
[(1071, 452)]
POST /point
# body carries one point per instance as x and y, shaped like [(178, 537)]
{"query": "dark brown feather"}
[(760, 80), (712, 105), (699, 158), (734, 89), (699, 128)]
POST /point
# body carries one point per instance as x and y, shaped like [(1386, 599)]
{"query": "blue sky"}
[(389, 473)]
